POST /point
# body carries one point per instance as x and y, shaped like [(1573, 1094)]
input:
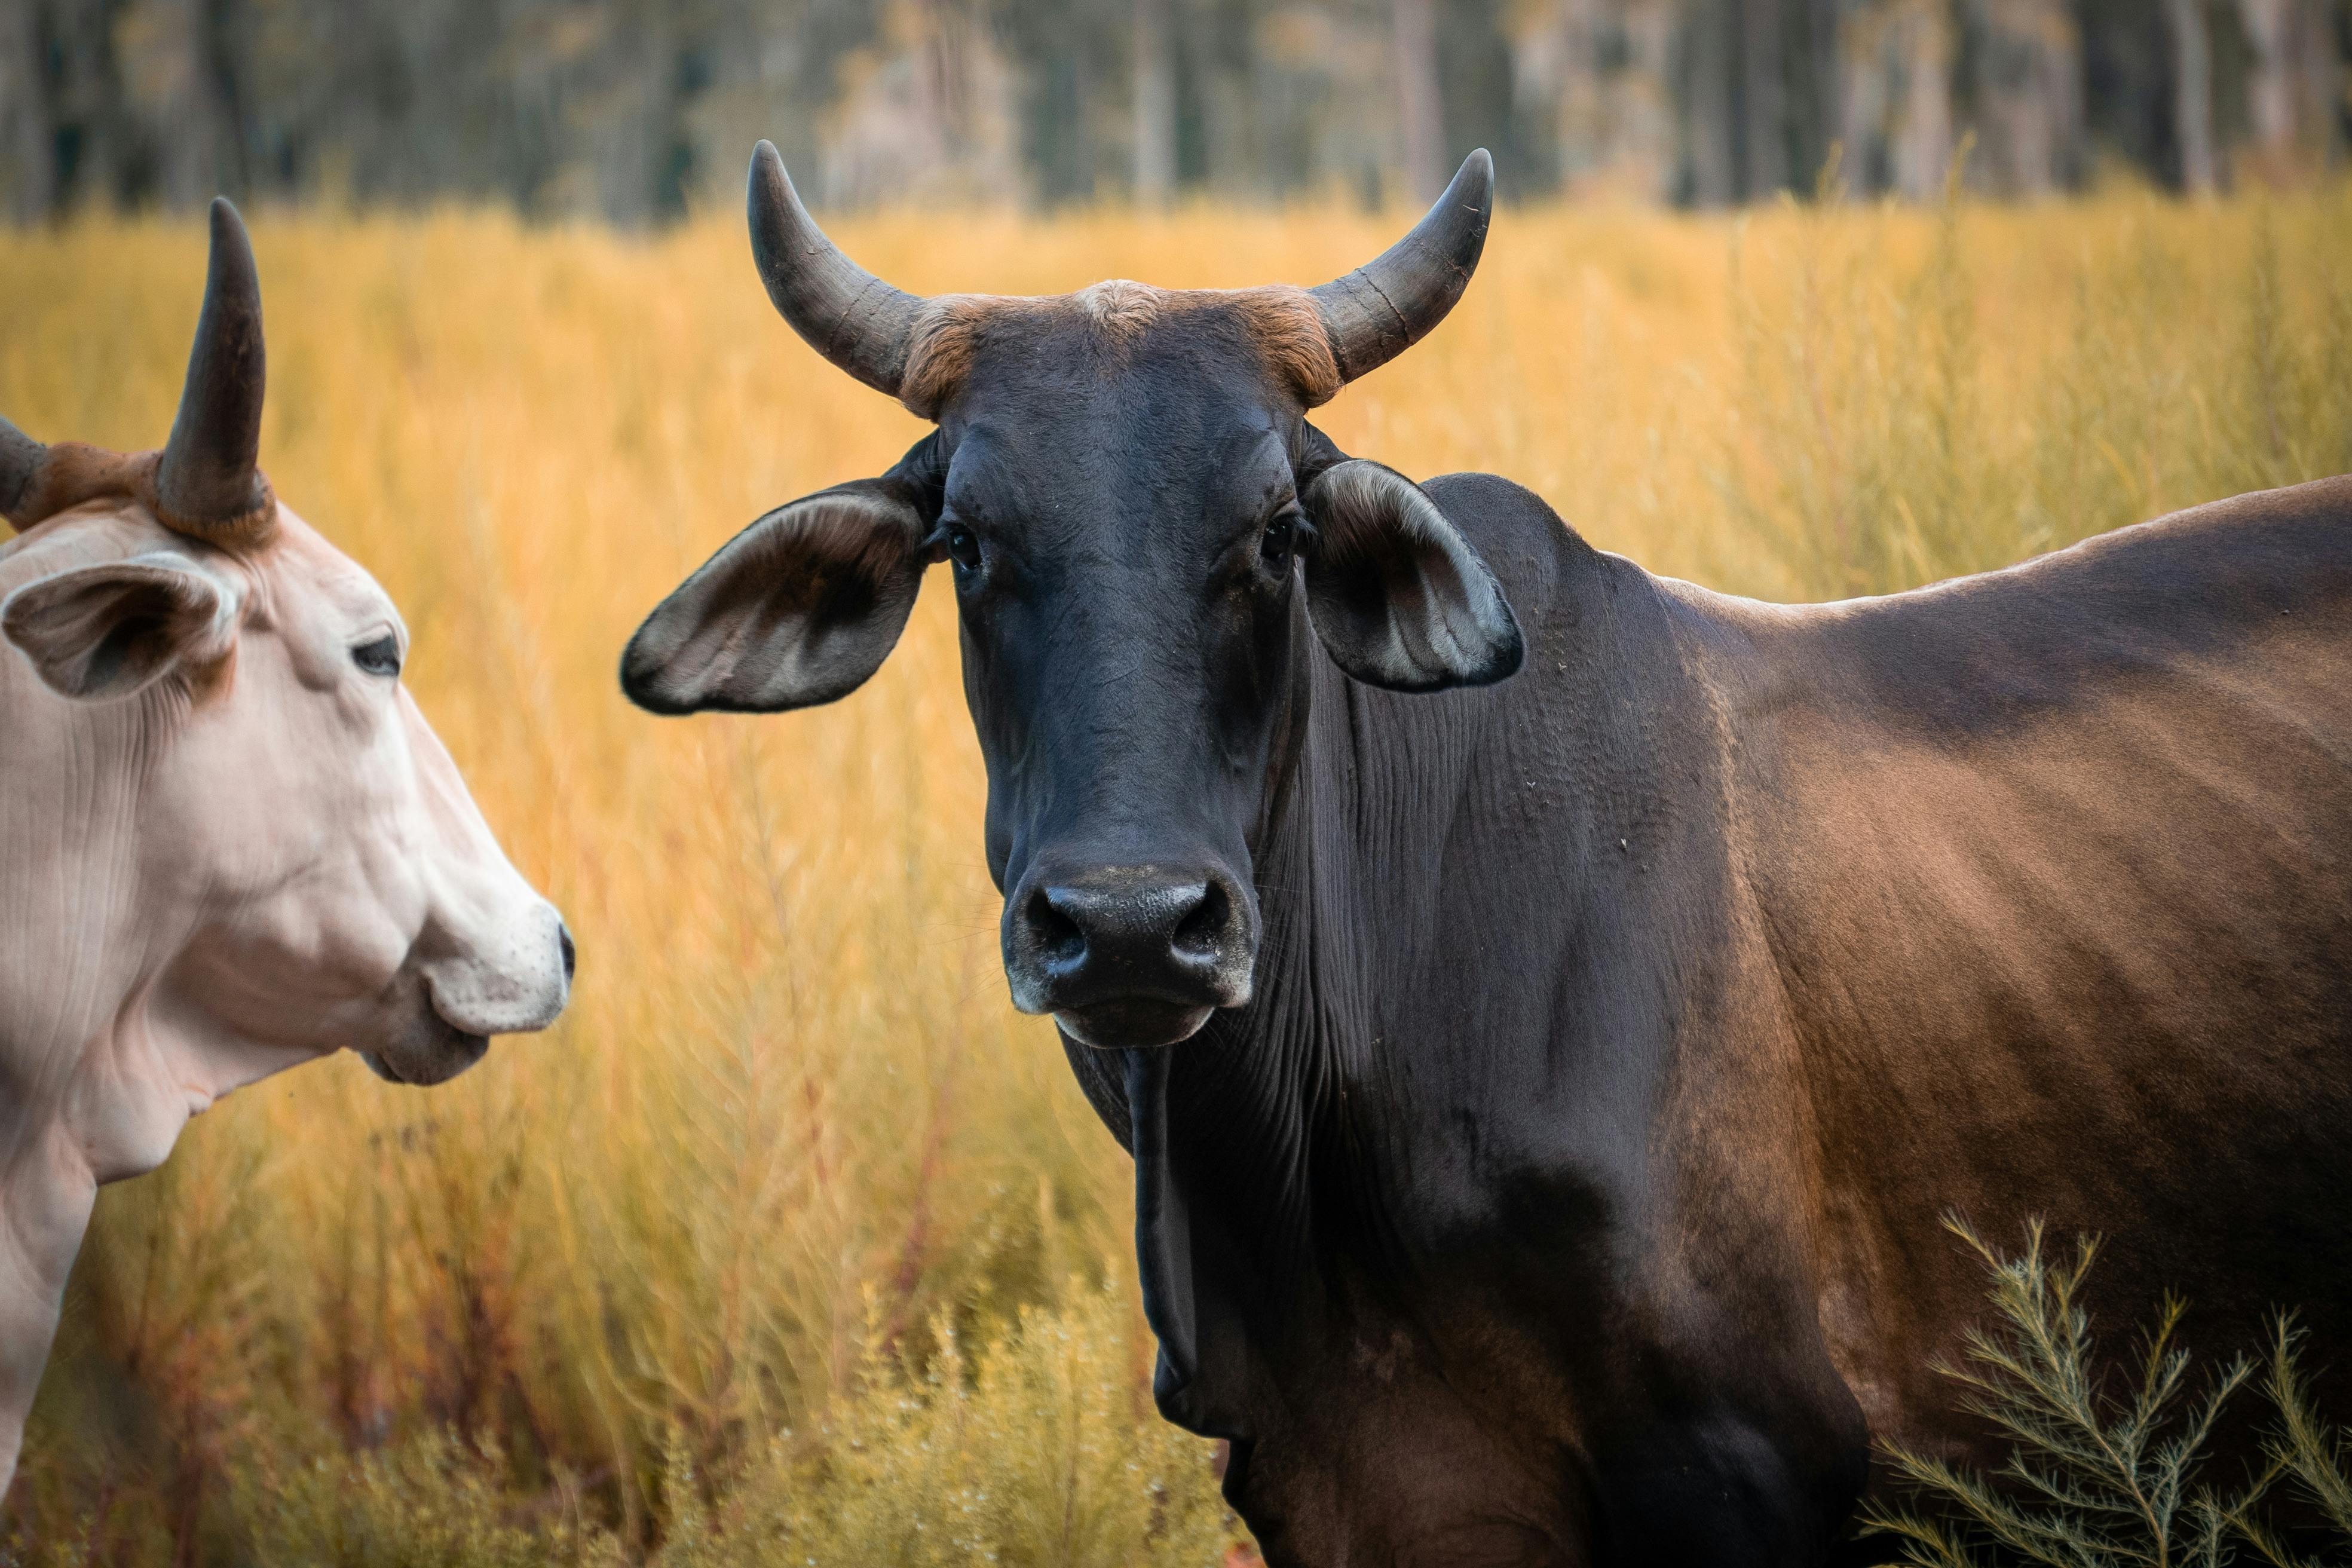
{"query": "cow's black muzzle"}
[(1127, 956)]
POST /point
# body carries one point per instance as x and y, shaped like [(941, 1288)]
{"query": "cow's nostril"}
[(571, 954), (1139, 943), (1061, 940), (1201, 933)]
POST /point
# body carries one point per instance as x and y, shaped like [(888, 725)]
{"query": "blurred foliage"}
[(790, 1153), (637, 112)]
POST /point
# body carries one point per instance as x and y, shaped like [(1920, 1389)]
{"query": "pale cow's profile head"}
[(222, 687), (229, 840)]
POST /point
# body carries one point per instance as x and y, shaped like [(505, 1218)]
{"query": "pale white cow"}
[(229, 841)]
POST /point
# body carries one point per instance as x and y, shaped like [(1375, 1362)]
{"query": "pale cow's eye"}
[(381, 656)]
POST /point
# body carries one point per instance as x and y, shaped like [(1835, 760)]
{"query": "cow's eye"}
[(381, 656), (963, 548), (1280, 538)]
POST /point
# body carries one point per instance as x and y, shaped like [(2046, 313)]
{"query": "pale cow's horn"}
[(1382, 308), (38, 481), (207, 484), (844, 312)]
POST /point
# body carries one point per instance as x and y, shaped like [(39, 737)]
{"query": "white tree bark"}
[(2275, 28), (1155, 106), (27, 161), (1420, 110), (1764, 113), (2030, 104), (1923, 136), (2192, 93), (187, 105), (1711, 63)]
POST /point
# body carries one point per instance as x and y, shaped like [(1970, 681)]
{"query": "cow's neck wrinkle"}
[(1163, 1233), (1300, 1123), (1271, 1153), (1221, 1126), (84, 941), (70, 917)]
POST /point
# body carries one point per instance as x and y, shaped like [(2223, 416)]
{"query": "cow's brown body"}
[(2055, 869)]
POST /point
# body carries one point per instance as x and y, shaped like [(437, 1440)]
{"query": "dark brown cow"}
[(1545, 1092)]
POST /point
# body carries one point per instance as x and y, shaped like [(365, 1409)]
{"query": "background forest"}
[(632, 110)]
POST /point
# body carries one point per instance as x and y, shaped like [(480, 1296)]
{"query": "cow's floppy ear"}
[(104, 632), (1397, 596), (799, 608)]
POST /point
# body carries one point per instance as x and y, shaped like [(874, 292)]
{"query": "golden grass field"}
[(792, 1237)]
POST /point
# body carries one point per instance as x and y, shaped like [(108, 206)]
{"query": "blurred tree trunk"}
[(2192, 93), (1818, 87), (2287, 36), (2025, 93), (1155, 105), (27, 138), (2327, 56), (1763, 99), (2270, 26), (1421, 120), (188, 109), (1710, 103), (1923, 137)]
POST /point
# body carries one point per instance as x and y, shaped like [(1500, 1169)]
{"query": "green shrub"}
[(2099, 1476), (1039, 1450), (434, 1501)]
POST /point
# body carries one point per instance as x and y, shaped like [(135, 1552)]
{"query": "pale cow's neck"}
[(90, 1088), (67, 903)]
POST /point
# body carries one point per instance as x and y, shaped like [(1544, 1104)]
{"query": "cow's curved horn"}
[(844, 312), (206, 481), (1379, 311)]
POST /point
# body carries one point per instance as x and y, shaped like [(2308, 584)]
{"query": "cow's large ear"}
[(100, 633), (799, 608), (1397, 595)]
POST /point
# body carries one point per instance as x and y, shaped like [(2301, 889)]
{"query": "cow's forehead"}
[(1119, 396), (1009, 466), (1120, 340), (309, 578)]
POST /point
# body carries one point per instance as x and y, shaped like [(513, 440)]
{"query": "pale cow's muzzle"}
[(514, 980)]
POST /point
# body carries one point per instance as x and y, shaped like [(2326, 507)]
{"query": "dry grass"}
[(790, 1117)]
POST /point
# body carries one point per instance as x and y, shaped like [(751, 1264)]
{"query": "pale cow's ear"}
[(799, 608), (1397, 596), (97, 634)]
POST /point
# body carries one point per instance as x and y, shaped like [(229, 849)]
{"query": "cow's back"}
[(2056, 866)]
